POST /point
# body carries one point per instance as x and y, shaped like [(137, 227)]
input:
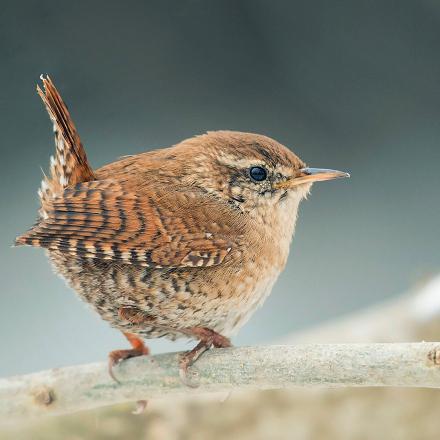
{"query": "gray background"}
[(352, 85)]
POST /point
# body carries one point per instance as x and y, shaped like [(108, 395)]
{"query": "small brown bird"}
[(182, 241)]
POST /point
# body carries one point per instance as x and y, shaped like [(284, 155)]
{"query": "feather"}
[(69, 166), (102, 220)]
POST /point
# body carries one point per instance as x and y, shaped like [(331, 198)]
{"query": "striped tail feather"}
[(69, 166)]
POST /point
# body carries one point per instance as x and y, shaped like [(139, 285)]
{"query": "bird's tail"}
[(69, 165)]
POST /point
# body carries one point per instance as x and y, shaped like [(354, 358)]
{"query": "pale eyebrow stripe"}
[(233, 161)]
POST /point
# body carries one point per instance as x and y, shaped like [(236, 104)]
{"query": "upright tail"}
[(69, 166)]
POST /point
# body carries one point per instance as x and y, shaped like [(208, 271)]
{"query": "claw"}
[(111, 363), (189, 358), (117, 356), (208, 338), (183, 373)]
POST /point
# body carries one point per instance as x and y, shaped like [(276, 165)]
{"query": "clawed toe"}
[(117, 356), (208, 338), (184, 364), (188, 359)]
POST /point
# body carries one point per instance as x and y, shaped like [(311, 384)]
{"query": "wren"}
[(185, 241)]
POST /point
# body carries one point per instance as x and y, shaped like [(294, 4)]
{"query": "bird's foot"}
[(117, 356), (208, 338), (188, 359)]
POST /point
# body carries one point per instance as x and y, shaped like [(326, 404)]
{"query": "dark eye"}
[(258, 174)]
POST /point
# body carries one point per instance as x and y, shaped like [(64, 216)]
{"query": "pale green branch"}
[(82, 387)]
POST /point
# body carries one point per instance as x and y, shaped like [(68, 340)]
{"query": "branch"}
[(71, 389)]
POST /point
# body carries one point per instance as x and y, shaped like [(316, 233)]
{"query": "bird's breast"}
[(266, 255), (251, 288)]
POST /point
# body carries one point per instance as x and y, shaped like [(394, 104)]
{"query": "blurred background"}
[(345, 84)]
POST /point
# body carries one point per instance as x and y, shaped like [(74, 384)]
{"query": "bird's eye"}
[(258, 173)]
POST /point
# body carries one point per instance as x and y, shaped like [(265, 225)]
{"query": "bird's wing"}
[(103, 220)]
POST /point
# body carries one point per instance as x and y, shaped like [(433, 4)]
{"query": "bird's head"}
[(254, 173)]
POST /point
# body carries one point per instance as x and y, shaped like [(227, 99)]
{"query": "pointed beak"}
[(319, 174), (310, 175)]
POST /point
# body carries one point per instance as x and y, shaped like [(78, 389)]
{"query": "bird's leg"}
[(116, 356), (207, 338), (137, 318), (216, 339), (134, 316)]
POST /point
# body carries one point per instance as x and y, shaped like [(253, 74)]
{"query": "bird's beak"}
[(309, 175)]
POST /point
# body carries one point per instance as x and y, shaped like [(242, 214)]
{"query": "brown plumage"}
[(183, 241)]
